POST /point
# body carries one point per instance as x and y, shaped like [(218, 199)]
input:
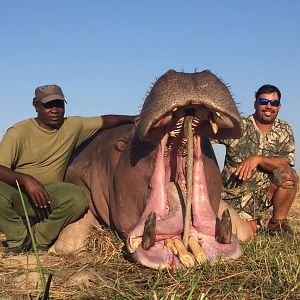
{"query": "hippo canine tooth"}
[(148, 239), (225, 229)]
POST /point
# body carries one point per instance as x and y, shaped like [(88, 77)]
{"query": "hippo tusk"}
[(183, 255), (196, 250), (188, 132), (148, 239), (214, 125), (220, 121), (225, 229)]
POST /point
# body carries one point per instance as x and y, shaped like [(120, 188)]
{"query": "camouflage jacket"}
[(251, 194)]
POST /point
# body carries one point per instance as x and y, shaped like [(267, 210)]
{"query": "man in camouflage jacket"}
[(258, 169)]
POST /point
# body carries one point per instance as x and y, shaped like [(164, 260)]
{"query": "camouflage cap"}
[(47, 93)]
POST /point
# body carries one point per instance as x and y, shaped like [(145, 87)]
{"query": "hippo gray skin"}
[(138, 179)]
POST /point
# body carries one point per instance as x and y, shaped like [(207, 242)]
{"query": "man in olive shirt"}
[(35, 152)]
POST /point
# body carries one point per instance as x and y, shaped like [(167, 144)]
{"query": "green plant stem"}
[(39, 266)]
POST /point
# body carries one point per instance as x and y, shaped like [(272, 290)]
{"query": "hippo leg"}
[(73, 237)]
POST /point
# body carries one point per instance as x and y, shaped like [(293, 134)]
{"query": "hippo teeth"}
[(213, 125), (218, 115), (224, 230), (148, 239), (176, 132)]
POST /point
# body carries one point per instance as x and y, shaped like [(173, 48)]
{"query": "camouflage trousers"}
[(251, 205)]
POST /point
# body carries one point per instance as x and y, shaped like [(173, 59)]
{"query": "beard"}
[(266, 116)]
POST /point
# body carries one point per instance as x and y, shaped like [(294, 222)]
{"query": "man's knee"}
[(79, 202), (72, 199), (285, 177)]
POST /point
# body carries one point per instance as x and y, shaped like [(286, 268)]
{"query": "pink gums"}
[(204, 218), (170, 224)]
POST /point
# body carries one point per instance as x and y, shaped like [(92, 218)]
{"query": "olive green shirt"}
[(30, 149), (249, 197)]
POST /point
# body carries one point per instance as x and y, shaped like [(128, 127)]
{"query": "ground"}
[(269, 269)]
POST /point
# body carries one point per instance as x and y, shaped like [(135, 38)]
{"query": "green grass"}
[(268, 269)]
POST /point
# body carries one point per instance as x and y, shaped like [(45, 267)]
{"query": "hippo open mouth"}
[(179, 225)]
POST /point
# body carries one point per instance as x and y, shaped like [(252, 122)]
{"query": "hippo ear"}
[(121, 144)]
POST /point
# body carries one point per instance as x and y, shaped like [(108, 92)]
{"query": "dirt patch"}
[(72, 275)]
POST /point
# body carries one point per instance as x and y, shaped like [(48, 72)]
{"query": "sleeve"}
[(90, 125), (225, 142), (287, 145), (10, 148)]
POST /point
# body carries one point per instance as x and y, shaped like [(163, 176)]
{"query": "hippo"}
[(157, 182)]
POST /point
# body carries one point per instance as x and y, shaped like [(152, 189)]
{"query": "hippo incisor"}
[(157, 183)]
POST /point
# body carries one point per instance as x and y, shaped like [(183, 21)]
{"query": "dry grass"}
[(269, 269)]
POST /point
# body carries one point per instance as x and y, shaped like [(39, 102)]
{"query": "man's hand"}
[(33, 188), (268, 164), (35, 191), (244, 171)]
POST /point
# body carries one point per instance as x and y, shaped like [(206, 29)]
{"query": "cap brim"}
[(52, 98)]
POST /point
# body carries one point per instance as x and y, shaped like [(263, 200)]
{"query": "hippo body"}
[(136, 176)]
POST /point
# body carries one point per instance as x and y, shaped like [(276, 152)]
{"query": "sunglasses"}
[(263, 101), (54, 103)]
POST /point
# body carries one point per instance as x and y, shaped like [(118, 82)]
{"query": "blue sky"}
[(106, 54)]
